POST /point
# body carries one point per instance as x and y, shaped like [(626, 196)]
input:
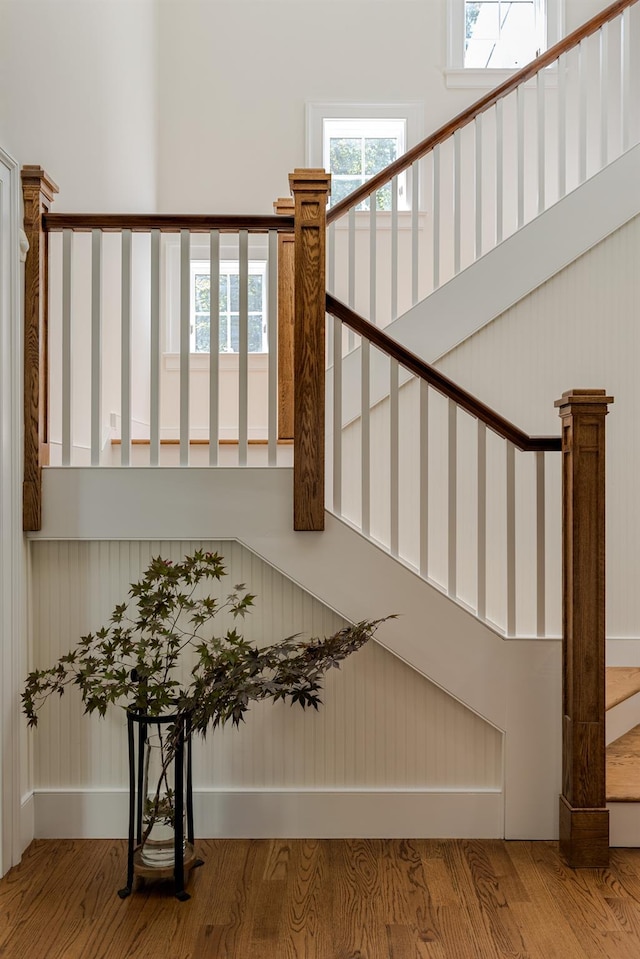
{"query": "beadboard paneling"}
[(383, 725)]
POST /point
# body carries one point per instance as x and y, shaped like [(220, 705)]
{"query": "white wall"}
[(78, 98)]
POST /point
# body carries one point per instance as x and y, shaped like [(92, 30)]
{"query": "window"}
[(229, 305), (354, 141), (354, 150), (490, 35), (502, 33)]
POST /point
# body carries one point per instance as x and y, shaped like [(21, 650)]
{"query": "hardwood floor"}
[(330, 899)]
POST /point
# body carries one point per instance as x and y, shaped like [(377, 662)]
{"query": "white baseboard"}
[(27, 821), (293, 814)]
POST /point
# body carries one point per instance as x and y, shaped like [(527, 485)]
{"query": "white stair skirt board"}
[(514, 685), (504, 275), (523, 261), (624, 823), (623, 717), (286, 814)]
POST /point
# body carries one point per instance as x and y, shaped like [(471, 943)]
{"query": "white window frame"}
[(371, 127), (457, 75), (411, 112), (228, 268)]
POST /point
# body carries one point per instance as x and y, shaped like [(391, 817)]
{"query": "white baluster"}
[(583, 73), (453, 500), (604, 95), (415, 210), (373, 256), (365, 439), (541, 139), (435, 201), (337, 416), (331, 283), (540, 544), (394, 247), (125, 352), (424, 479), (185, 342), (562, 126), (482, 521), (272, 338), (352, 273), (478, 185), (625, 76), (499, 171), (457, 212), (67, 346), (511, 539), (154, 352), (214, 346), (243, 349), (96, 346), (394, 460), (520, 116)]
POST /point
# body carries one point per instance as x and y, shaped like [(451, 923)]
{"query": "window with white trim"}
[(355, 140), (229, 305), (501, 34), (356, 149)]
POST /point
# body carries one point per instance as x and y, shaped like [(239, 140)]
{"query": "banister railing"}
[(487, 172), (425, 468), (121, 368), (433, 376)]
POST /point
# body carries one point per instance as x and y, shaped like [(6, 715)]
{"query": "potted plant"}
[(159, 658)]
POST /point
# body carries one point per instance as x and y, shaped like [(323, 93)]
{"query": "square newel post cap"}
[(35, 178), (581, 399), (311, 180), (284, 206)]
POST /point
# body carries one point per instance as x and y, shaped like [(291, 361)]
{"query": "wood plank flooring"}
[(329, 899)]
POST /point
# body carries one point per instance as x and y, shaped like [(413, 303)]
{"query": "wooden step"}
[(622, 682), (623, 768)]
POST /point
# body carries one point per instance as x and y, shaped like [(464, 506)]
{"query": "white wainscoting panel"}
[(383, 727)]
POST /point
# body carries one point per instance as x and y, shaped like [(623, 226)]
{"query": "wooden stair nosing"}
[(622, 682), (623, 768)]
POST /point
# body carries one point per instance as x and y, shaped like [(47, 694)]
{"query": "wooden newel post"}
[(584, 818), (310, 190), (38, 191)]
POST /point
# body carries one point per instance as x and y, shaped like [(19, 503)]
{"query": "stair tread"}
[(623, 768), (621, 683)]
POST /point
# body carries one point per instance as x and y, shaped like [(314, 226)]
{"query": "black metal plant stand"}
[(184, 855)]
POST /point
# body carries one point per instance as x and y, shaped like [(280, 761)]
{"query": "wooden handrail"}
[(443, 384), (165, 222), (484, 103)]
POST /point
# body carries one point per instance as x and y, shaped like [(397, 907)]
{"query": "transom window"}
[(502, 33), (357, 149), (229, 305)]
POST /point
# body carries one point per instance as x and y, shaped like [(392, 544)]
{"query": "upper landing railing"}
[(490, 170)]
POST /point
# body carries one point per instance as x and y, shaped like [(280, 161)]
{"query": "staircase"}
[(623, 754), (435, 504)]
